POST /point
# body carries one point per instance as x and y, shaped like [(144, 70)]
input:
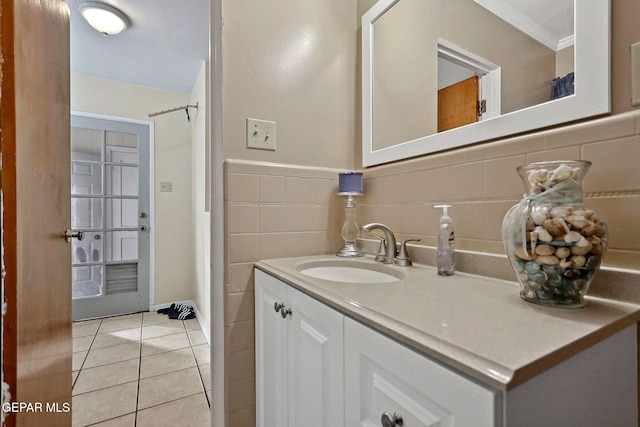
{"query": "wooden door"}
[(457, 104), (35, 179)]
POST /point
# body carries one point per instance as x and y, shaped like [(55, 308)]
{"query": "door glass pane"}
[(88, 250), (86, 212), (86, 144), (86, 178), (121, 180), (121, 147), (86, 281), (121, 246), (121, 213)]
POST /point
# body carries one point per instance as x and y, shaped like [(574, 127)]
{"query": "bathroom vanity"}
[(426, 350)]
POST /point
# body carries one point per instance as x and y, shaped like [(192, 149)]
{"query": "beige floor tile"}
[(113, 354), (128, 420), (120, 324), (102, 405), (189, 411), (202, 354), (192, 325), (197, 337), (167, 387), (205, 375), (117, 337), (78, 359), (82, 329), (82, 343), (161, 330), (165, 343), (106, 376), (119, 317), (154, 318), (166, 362)]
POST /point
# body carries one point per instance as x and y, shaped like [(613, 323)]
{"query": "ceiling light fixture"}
[(104, 18)]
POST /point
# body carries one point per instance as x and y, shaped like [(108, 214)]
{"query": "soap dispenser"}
[(446, 243)]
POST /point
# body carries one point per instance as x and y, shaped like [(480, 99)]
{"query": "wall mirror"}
[(508, 53)]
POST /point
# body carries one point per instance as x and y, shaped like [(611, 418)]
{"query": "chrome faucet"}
[(390, 247)]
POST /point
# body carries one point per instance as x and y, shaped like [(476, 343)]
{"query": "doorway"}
[(110, 216)]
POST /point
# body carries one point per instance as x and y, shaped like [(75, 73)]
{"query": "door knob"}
[(143, 228), (68, 235), (389, 420)]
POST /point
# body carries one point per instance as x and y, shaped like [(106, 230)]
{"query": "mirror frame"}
[(592, 97)]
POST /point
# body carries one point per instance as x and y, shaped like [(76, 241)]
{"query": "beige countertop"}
[(475, 324)]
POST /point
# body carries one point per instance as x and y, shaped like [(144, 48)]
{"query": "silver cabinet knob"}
[(277, 306), (389, 420), (68, 235), (284, 311)]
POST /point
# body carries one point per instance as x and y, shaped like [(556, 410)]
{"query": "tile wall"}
[(271, 211), (279, 211)]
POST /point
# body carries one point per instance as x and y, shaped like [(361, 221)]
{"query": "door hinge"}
[(481, 106)]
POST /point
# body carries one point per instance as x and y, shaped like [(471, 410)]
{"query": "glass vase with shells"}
[(554, 242)]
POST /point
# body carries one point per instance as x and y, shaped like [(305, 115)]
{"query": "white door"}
[(110, 206)]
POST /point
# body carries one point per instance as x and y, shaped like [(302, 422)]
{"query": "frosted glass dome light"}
[(104, 18)]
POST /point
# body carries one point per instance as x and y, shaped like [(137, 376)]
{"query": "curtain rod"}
[(171, 110)]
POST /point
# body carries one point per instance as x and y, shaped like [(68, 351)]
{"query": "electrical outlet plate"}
[(166, 187), (261, 134)]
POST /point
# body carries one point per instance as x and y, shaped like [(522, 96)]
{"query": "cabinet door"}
[(316, 386), (271, 352), (382, 376)]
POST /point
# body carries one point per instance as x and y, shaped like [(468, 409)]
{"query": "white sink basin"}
[(349, 274)]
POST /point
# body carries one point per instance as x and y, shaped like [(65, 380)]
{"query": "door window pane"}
[(121, 213), (86, 178), (86, 212), (121, 246), (86, 144), (88, 250), (122, 148), (86, 281), (121, 180)]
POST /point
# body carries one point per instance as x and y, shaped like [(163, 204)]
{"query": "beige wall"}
[(291, 62), (268, 215), (173, 230), (201, 288)]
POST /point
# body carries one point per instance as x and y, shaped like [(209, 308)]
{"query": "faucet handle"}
[(381, 249), (403, 256)]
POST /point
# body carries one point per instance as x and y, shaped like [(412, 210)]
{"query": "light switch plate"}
[(635, 74), (261, 134)]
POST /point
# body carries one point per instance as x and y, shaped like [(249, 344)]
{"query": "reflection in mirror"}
[(515, 57)]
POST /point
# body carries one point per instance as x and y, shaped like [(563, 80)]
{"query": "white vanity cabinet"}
[(386, 379), (299, 358)]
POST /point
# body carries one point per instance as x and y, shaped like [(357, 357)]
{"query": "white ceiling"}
[(548, 21), (163, 48)]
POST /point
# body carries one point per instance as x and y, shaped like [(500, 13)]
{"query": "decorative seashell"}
[(547, 260), (543, 234), (598, 248), (538, 217), (520, 253), (581, 250), (560, 211), (545, 250), (577, 221), (533, 241), (592, 229), (562, 252), (554, 227), (573, 237), (564, 263), (562, 173), (578, 261), (537, 176)]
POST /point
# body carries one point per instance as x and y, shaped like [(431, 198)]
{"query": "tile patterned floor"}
[(139, 370)]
